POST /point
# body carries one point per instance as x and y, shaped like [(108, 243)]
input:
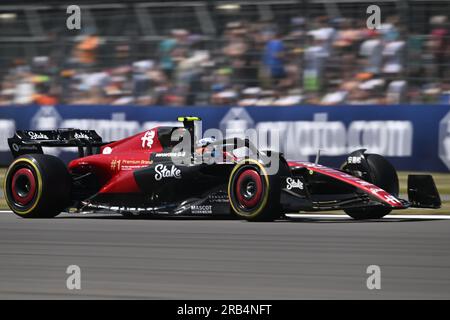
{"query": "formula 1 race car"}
[(147, 174)]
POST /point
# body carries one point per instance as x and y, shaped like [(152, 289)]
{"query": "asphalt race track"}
[(307, 258)]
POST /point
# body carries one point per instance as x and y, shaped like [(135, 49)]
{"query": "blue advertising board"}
[(413, 137)]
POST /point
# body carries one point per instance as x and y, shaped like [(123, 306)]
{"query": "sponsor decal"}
[(376, 190), (36, 136), (391, 199), (215, 198), (48, 118), (163, 172), (354, 159), (138, 162), (17, 147), (204, 209), (115, 164), (147, 139), (107, 150), (81, 136), (133, 164), (170, 154), (126, 165), (294, 183)]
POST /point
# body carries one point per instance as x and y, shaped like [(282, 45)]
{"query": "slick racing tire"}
[(381, 174), (254, 194), (37, 186)]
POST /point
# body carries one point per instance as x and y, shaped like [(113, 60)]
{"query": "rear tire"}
[(37, 186), (383, 175), (254, 195)]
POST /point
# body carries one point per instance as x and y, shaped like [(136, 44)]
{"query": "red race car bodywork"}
[(148, 174)]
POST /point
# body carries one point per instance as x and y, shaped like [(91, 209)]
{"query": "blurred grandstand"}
[(278, 52)]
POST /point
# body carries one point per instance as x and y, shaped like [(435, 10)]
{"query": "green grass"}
[(442, 182)]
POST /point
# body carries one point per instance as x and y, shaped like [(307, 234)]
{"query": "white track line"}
[(342, 216), (410, 216)]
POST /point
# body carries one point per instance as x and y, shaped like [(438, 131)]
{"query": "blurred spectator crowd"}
[(325, 62)]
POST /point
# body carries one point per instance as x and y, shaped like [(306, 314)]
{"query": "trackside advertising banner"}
[(413, 138)]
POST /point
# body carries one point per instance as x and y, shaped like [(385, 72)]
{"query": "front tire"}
[(254, 195), (37, 186), (382, 174)]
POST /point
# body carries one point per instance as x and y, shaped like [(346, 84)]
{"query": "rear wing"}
[(32, 141)]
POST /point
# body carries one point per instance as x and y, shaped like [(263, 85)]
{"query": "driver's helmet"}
[(205, 141)]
